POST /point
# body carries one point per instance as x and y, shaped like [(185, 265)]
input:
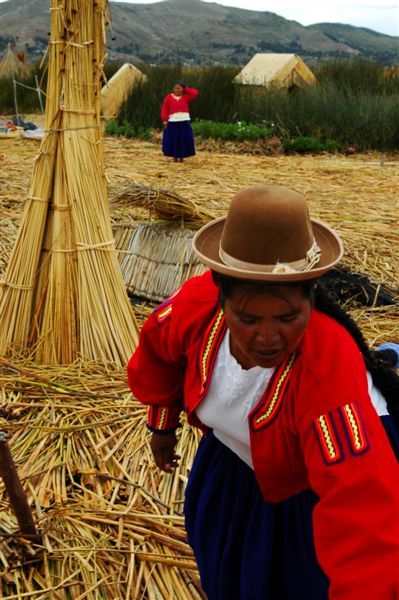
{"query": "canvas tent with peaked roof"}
[(282, 70)]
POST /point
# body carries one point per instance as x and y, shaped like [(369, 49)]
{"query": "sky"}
[(379, 15)]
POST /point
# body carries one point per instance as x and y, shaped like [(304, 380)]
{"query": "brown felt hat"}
[(268, 235)]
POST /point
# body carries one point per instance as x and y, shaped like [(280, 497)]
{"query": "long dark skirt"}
[(246, 548), (178, 140)]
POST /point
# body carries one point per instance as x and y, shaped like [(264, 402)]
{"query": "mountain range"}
[(194, 32)]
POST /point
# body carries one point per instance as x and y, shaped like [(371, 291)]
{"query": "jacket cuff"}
[(163, 419), (160, 431)]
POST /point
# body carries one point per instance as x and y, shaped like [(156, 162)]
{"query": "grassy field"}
[(111, 524), (355, 103)]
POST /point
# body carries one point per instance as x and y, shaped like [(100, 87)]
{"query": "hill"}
[(197, 32)]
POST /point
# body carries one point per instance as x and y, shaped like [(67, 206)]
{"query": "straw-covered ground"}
[(356, 195), (111, 524)]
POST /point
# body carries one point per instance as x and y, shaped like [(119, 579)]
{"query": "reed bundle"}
[(162, 202), (63, 295), (111, 523), (12, 66), (155, 258), (117, 89)]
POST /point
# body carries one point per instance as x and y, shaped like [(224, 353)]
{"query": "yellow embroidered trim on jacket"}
[(162, 314), (269, 411), (328, 441), (355, 429), (207, 353), (165, 309), (162, 418), (158, 417)]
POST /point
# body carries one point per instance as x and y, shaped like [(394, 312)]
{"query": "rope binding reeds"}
[(63, 297)]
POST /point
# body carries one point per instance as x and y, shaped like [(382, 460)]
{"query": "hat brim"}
[(206, 244)]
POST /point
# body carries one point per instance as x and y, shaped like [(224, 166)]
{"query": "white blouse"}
[(177, 117), (234, 392)]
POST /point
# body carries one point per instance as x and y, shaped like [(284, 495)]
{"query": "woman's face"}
[(177, 89), (265, 328)]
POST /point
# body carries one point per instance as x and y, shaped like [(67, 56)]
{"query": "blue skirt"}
[(246, 548), (178, 140)]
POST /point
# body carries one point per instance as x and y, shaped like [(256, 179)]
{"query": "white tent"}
[(283, 70)]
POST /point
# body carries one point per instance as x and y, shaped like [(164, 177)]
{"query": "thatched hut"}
[(117, 89), (281, 70), (12, 65)]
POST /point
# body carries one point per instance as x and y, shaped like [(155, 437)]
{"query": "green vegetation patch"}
[(231, 131)]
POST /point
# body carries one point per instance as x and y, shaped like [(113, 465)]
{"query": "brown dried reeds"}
[(163, 203), (357, 196), (156, 258), (63, 295), (111, 524), (83, 459), (12, 66)]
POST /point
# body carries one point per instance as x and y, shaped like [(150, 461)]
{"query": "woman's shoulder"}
[(197, 290), (325, 334), (328, 351), (330, 370), (193, 301)]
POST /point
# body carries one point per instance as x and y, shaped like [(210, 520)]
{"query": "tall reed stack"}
[(63, 297)]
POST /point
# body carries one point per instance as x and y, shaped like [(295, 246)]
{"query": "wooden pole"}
[(16, 493)]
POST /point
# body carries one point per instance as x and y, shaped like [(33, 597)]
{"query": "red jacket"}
[(170, 105), (314, 427)]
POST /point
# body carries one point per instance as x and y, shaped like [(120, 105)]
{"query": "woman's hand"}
[(163, 450)]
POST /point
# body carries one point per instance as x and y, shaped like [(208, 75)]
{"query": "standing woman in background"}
[(178, 138)]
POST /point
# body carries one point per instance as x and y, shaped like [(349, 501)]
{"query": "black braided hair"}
[(378, 363)]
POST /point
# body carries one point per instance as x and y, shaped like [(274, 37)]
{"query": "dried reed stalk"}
[(162, 202), (111, 524), (156, 258), (356, 195), (63, 295), (11, 66)]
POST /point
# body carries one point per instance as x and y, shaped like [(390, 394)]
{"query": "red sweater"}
[(170, 105), (314, 427)]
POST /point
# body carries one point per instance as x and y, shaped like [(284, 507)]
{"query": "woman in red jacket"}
[(294, 490), (178, 138)]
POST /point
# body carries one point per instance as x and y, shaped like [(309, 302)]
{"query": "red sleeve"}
[(156, 370), (165, 108), (353, 470), (190, 93)]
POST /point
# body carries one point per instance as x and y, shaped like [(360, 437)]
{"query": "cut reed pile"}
[(155, 258), (357, 196), (111, 524), (77, 436), (156, 255), (63, 295), (163, 203), (11, 66)]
